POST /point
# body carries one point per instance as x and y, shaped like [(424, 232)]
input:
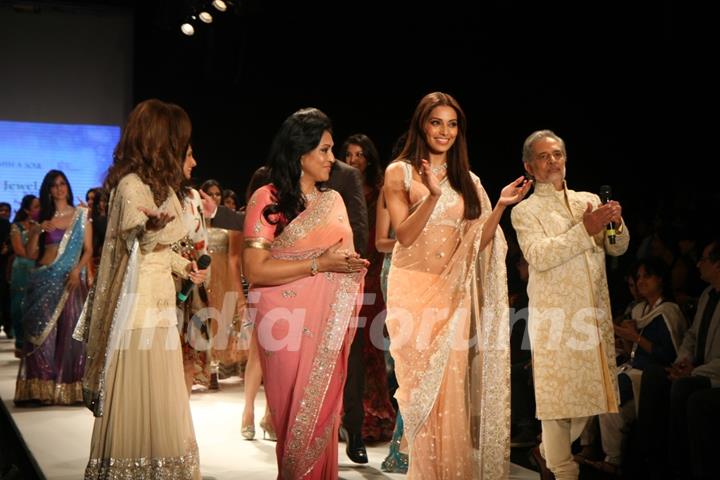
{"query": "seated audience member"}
[(665, 394)]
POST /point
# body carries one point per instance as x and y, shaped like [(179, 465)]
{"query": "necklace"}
[(310, 197), (439, 170), (63, 213)]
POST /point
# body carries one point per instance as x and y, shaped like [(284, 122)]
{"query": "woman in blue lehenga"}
[(22, 263), (52, 363)]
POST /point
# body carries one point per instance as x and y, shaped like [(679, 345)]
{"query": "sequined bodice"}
[(437, 242), (449, 209)]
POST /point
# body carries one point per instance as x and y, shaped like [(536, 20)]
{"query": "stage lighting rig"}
[(201, 10)]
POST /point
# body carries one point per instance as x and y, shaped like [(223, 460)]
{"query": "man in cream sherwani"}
[(562, 235)]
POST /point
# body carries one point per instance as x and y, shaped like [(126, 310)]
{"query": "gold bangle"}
[(313, 267), (257, 242)]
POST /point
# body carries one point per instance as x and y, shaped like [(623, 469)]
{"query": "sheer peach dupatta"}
[(304, 330), (449, 331)]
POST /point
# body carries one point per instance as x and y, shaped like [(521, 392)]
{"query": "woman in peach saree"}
[(447, 302), (305, 290)]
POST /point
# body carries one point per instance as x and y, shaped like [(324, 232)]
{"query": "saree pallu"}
[(304, 332), (449, 337), (52, 364)]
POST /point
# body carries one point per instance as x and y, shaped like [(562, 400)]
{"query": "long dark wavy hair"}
[(47, 204), (458, 164), (25, 204), (373, 171), (152, 146), (299, 134)]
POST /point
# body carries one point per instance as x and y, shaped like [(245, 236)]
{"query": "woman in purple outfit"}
[(52, 363)]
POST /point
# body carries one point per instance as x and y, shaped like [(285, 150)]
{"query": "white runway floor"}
[(59, 437)]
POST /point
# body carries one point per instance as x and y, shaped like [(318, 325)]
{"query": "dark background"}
[(627, 84), (618, 80)]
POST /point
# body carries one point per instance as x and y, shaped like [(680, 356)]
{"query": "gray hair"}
[(534, 137)]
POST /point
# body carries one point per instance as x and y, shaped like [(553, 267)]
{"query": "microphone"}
[(202, 263), (605, 195)]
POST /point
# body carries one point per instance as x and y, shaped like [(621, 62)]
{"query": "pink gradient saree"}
[(304, 331)]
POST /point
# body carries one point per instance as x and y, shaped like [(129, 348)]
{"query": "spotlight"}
[(187, 29), (205, 17), (219, 5)]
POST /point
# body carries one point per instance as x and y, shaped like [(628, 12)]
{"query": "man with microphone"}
[(563, 236)]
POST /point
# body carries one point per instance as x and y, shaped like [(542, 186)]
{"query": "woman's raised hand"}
[(47, 226), (208, 204), (156, 220), (335, 259), (429, 179), (514, 191)]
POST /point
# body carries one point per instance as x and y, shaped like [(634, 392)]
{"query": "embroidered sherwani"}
[(570, 321)]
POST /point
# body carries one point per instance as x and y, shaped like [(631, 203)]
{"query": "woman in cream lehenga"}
[(447, 301), (134, 377), (306, 285)]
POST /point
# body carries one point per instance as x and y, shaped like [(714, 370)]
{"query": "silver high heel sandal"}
[(248, 431), (268, 430)]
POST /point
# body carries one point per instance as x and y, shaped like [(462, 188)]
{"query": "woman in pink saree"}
[(447, 301), (306, 284)]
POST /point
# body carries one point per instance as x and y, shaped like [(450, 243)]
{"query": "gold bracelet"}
[(259, 242), (313, 267)]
